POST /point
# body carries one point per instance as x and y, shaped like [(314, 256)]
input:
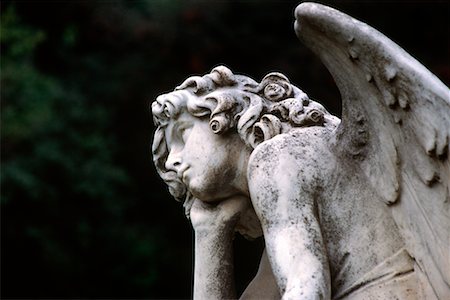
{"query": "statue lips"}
[(181, 173)]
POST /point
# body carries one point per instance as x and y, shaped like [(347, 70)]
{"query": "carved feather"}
[(395, 125)]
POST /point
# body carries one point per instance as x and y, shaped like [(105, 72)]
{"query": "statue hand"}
[(221, 215)]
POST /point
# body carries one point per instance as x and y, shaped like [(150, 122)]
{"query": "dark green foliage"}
[(66, 198), (83, 212)]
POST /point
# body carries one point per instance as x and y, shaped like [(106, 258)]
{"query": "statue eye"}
[(184, 133)]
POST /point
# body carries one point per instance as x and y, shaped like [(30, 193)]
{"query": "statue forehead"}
[(201, 105), (182, 119), (181, 98)]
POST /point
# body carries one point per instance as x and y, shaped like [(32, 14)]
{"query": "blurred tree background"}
[(83, 212)]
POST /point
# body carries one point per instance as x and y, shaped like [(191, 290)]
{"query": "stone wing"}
[(395, 125)]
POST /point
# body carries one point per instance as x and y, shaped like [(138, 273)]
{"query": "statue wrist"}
[(216, 229)]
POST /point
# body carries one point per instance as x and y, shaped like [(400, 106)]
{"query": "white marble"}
[(351, 209)]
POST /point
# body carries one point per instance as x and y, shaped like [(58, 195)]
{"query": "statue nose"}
[(173, 162)]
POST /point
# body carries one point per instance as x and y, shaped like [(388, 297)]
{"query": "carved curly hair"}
[(257, 111)]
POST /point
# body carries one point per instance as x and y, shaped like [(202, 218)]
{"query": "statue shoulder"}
[(299, 149)]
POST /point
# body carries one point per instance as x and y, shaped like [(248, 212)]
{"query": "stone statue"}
[(351, 209)]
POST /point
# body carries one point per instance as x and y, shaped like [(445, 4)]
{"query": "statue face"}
[(212, 166)]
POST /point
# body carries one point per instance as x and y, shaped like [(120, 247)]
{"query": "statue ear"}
[(267, 127), (275, 87)]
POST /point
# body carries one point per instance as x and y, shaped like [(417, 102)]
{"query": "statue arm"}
[(287, 212), (214, 226), (213, 272)]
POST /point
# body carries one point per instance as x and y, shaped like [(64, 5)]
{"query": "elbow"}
[(295, 294), (315, 289)]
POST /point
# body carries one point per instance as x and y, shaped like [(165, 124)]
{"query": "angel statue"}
[(356, 208)]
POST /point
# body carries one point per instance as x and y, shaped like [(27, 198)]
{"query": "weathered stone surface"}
[(351, 209)]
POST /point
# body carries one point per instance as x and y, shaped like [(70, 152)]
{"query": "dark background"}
[(83, 212)]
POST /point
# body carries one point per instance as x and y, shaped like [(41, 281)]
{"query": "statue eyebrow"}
[(182, 125)]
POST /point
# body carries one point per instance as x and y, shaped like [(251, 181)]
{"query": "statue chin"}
[(204, 194), (209, 197), (210, 193)]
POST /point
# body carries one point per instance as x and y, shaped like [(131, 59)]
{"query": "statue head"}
[(232, 115)]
